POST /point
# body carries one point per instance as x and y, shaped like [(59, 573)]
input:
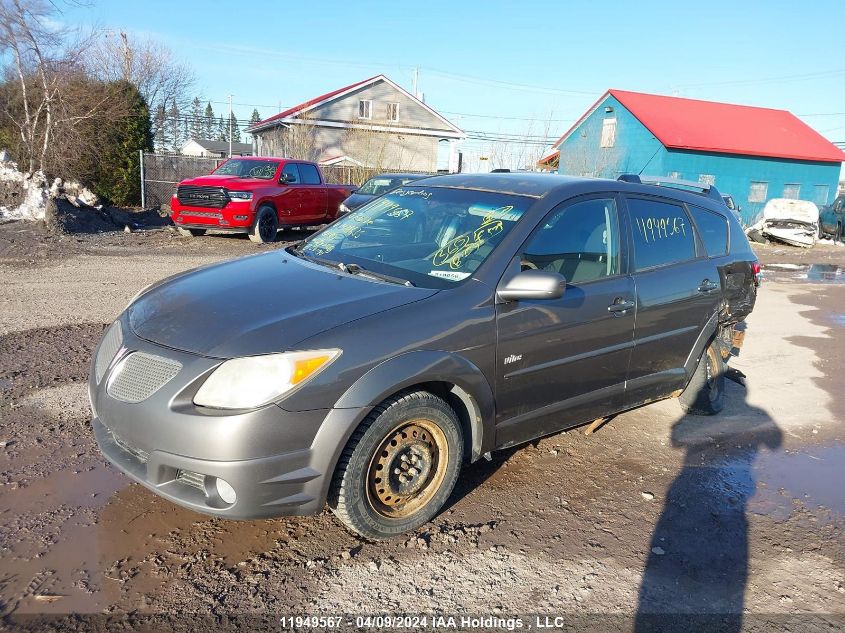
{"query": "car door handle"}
[(620, 307), (707, 286)]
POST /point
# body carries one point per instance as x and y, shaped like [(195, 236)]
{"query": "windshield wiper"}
[(296, 250), (355, 269)]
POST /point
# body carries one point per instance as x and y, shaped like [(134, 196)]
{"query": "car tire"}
[(705, 393), (414, 439), (821, 231), (190, 232), (839, 236), (266, 226)]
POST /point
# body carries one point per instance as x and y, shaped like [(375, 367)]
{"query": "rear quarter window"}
[(309, 174), (713, 229), (662, 233)]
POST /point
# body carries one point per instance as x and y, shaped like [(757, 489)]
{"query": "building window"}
[(707, 179), (392, 111), (365, 109), (608, 133), (791, 191), (821, 194), (758, 192)]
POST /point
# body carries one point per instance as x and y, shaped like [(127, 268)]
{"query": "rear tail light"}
[(757, 271)]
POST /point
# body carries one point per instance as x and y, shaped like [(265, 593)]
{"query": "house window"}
[(758, 192), (821, 194), (791, 191), (608, 133), (365, 109), (392, 111), (707, 179)]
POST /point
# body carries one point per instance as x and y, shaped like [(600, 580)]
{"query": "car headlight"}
[(343, 208), (253, 381), (240, 195)]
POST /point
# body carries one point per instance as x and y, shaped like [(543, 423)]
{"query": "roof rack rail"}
[(660, 181)]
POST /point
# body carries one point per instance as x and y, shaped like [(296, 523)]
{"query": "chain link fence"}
[(160, 173)]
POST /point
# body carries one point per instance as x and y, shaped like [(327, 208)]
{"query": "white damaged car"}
[(794, 222)]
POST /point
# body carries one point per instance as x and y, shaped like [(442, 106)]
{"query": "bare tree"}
[(160, 76), (41, 59)]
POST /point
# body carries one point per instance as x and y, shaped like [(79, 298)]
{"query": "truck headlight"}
[(240, 195), (253, 381)]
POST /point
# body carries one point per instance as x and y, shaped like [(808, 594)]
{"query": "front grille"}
[(137, 453), (203, 214), (193, 196), (108, 348), (140, 375), (190, 478)]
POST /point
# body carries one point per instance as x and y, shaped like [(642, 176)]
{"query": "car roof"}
[(408, 174), (533, 184)]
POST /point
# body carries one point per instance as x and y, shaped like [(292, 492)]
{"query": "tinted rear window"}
[(662, 233), (309, 174), (713, 229)]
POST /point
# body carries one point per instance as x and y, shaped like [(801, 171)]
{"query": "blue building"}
[(753, 154)]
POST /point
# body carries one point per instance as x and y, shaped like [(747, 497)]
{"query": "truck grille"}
[(140, 375), (108, 348), (193, 196), (204, 214)]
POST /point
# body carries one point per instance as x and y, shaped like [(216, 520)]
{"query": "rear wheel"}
[(266, 226), (399, 466), (705, 393), (839, 236), (190, 232)]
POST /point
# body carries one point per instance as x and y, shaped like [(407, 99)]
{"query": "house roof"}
[(221, 146), (304, 107), (724, 128)]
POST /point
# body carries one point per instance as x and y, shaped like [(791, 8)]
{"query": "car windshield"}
[(262, 169), (378, 185), (434, 237)]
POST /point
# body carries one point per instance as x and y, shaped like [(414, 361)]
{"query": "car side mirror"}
[(285, 179), (533, 284)]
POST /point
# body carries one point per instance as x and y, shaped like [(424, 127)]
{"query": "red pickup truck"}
[(257, 196)]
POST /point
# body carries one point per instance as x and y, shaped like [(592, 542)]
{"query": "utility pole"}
[(416, 79), (230, 126)]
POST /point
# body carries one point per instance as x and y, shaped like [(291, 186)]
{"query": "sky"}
[(526, 68)]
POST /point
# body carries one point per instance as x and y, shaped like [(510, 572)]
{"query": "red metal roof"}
[(725, 128), (310, 102)]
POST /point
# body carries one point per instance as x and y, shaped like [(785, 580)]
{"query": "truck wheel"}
[(839, 236), (266, 226), (705, 393), (399, 466), (190, 232)]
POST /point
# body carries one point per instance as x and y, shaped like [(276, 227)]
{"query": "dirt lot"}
[(740, 515)]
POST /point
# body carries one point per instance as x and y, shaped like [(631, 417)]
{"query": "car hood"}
[(230, 182), (357, 200), (259, 305)]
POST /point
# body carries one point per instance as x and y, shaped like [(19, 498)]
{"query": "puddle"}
[(810, 477), (809, 273)]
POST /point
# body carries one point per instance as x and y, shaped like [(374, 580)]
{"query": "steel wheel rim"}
[(407, 469)]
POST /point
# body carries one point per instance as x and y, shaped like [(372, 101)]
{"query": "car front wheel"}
[(266, 226), (399, 467)]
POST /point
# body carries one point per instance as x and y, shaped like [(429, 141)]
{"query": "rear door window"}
[(309, 174), (662, 233), (713, 229)]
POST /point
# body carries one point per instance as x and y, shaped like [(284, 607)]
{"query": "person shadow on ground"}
[(697, 568)]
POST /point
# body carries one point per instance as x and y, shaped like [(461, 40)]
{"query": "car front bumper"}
[(277, 462)]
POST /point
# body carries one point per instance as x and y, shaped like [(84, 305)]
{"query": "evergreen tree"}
[(222, 130), (161, 141), (209, 131), (236, 130), (197, 123), (255, 118), (116, 177)]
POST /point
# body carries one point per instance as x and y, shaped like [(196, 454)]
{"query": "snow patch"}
[(33, 189)]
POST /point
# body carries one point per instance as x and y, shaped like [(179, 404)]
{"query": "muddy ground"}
[(740, 514)]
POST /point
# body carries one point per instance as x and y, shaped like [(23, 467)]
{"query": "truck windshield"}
[(434, 237), (263, 169)]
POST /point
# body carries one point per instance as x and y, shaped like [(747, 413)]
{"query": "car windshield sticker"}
[(451, 275)]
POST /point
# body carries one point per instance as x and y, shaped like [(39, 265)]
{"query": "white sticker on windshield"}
[(507, 213), (451, 275)]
